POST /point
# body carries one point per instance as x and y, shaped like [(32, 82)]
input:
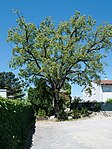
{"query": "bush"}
[(90, 105), (41, 97), (109, 100), (63, 115), (41, 113), (84, 111), (97, 107), (76, 113), (76, 103), (16, 121)]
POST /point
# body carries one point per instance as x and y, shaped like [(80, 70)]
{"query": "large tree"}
[(69, 51), (41, 96), (13, 85)]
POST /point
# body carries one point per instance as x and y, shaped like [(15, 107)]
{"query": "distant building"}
[(100, 92), (3, 93)]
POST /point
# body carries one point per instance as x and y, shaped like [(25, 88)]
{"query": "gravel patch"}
[(90, 133)]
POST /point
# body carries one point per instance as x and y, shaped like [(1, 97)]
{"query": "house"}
[(101, 92), (3, 93)]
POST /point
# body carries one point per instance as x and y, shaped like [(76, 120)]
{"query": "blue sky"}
[(36, 10)]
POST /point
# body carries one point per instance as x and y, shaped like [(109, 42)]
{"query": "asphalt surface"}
[(94, 133)]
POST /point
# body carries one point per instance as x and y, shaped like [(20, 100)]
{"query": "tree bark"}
[(56, 103)]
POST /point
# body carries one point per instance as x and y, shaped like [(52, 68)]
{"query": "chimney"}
[(105, 78)]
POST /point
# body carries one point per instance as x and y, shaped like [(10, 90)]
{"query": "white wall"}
[(96, 94), (3, 93), (106, 96), (99, 93)]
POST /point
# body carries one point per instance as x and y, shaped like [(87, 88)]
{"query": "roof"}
[(109, 82), (63, 91), (3, 90)]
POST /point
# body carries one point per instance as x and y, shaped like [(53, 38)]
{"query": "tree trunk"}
[(56, 103)]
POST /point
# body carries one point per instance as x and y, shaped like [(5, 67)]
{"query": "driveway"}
[(94, 133)]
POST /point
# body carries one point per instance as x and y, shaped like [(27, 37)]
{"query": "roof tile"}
[(106, 81)]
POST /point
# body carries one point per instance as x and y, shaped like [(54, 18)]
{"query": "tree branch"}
[(28, 51), (95, 43)]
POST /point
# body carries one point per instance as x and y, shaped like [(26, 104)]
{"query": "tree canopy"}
[(12, 84), (69, 51)]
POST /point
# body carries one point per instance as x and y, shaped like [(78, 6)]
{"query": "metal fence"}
[(106, 106)]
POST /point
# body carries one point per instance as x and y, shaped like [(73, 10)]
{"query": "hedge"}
[(16, 124), (90, 105)]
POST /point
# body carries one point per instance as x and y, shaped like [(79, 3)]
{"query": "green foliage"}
[(97, 107), (67, 88), (109, 100), (12, 84), (76, 113), (89, 105), (62, 105), (84, 111), (63, 115), (16, 120), (75, 102), (69, 51), (92, 105), (65, 95), (41, 113), (41, 97)]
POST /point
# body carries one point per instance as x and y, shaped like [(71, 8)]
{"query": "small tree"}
[(65, 95), (41, 96), (68, 51), (12, 84)]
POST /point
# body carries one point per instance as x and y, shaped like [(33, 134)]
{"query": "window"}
[(107, 88)]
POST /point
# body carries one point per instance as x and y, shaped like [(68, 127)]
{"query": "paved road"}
[(81, 134)]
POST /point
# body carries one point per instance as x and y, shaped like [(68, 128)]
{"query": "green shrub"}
[(84, 111), (63, 115), (41, 113), (90, 105), (16, 120), (97, 107), (76, 102), (109, 100), (76, 113)]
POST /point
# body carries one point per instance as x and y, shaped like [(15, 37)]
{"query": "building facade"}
[(3, 93), (100, 93)]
